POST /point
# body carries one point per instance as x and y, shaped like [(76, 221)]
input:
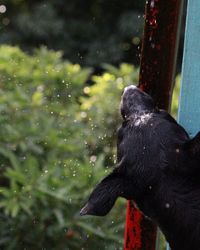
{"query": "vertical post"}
[(158, 60), (159, 50), (189, 103)]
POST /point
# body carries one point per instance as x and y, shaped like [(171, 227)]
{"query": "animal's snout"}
[(133, 87)]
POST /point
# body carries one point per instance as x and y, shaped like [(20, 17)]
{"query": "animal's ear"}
[(193, 145), (104, 196)]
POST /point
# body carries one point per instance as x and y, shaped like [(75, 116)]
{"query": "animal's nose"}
[(129, 87)]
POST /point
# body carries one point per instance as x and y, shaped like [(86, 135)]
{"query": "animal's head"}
[(135, 101), (119, 183)]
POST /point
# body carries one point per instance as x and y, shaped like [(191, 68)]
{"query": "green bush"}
[(101, 109), (57, 140)]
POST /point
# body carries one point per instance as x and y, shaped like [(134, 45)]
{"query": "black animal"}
[(158, 167)]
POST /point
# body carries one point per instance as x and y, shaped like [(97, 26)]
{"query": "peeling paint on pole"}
[(139, 234)]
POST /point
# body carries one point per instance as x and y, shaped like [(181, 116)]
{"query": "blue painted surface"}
[(189, 103)]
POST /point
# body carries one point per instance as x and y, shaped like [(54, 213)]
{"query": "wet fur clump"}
[(158, 166)]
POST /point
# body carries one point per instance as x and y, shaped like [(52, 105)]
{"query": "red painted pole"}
[(159, 49), (157, 68)]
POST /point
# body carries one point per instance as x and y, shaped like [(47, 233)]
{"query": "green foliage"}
[(57, 140), (86, 30), (175, 97), (101, 107), (49, 160)]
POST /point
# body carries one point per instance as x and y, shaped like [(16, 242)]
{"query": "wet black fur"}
[(158, 167)]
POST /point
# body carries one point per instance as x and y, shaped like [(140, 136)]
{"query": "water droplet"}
[(167, 205), (93, 158), (83, 114), (152, 4), (2, 8), (153, 23), (5, 21)]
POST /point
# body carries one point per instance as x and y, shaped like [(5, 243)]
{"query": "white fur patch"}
[(142, 119), (130, 87)]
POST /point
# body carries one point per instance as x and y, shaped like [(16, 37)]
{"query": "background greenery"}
[(58, 118), (89, 32), (57, 140)]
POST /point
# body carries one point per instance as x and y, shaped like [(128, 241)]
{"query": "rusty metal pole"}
[(159, 49), (157, 69)]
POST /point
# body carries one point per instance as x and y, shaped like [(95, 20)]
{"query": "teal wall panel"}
[(189, 104)]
